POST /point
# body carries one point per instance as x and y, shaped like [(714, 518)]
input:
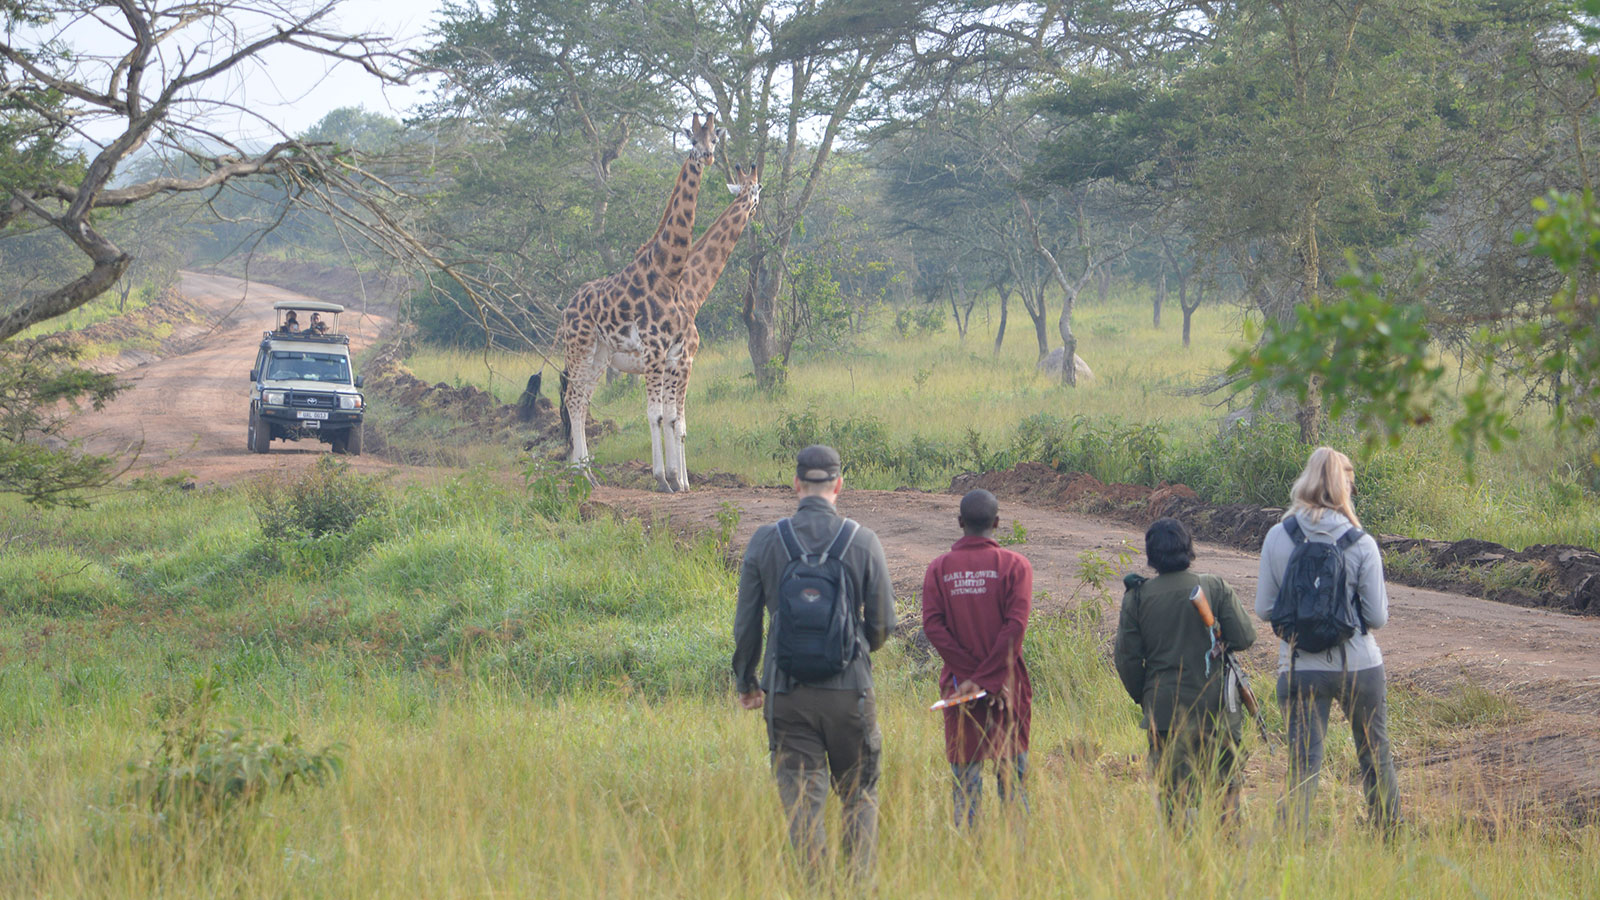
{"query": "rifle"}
[(1233, 673)]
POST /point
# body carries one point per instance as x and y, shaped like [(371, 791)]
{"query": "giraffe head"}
[(746, 181), (703, 138)]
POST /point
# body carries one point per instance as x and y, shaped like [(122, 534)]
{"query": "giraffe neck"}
[(714, 248), (668, 248)]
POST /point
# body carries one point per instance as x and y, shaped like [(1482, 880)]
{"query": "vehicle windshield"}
[(294, 365)]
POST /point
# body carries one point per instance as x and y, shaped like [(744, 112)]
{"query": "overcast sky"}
[(286, 87), (295, 89), (305, 95)]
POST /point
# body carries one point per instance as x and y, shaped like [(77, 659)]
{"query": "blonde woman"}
[(1326, 650)]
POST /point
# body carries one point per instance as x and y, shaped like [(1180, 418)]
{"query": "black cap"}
[(817, 463)]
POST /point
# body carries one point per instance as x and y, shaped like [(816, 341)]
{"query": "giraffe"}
[(629, 320), (707, 258)]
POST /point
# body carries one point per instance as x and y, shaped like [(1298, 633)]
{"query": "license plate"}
[(310, 414)]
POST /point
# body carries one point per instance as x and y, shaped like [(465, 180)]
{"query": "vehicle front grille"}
[(306, 400)]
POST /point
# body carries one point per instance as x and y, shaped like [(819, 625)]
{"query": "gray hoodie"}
[(1364, 570)]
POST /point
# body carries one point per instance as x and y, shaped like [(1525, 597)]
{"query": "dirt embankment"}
[(474, 416), (1552, 576), (168, 325)]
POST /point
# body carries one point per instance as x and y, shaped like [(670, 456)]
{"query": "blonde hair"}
[(1324, 485)]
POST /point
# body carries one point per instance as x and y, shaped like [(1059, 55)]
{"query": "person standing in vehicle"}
[(1351, 670), (975, 605), (822, 723), (1163, 656)]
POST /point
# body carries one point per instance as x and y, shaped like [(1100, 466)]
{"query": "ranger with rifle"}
[(1164, 657)]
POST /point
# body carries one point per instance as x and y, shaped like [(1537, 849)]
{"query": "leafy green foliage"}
[(864, 444), (1369, 356), (1018, 535), (1562, 341), (556, 490), (203, 772), (39, 386), (328, 499)]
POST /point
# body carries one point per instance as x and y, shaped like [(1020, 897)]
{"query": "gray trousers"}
[(818, 736), (967, 790), (1306, 703)]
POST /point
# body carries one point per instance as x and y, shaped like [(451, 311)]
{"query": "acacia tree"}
[(73, 118), (1317, 132), (70, 122)]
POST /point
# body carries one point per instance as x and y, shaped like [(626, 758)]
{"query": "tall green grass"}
[(529, 704)]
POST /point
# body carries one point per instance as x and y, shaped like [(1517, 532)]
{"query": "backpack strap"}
[(791, 543), (1345, 542), (841, 540), (1292, 528)]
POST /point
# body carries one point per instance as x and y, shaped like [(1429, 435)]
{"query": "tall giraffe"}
[(707, 258), (628, 320)]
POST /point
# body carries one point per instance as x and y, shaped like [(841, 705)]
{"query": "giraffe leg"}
[(583, 375), (655, 413), (681, 431)]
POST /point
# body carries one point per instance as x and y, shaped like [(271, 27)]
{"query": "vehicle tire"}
[(352, 440), (260, 433)]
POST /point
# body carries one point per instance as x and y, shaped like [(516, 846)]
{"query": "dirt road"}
[(189, 408)]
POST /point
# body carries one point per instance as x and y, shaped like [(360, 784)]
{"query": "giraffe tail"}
[(566, 417)]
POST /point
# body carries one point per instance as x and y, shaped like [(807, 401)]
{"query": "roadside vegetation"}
[(468, 686), (918, 408)]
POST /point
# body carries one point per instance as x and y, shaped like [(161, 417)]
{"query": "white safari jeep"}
[(303, 385)]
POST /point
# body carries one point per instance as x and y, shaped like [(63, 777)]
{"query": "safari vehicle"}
[(303, 385)]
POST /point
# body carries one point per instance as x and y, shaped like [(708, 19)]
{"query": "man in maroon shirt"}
[(975, 602)]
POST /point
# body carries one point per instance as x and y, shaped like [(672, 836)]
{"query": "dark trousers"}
[(968, 788), (818, 736), (1187, 761), (1306, 701)]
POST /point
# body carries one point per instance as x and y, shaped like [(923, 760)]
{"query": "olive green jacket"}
[(1162, 648)]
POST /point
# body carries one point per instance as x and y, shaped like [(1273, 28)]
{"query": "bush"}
[(1255, 463), (865, 446), (1109, 450), (326, 500), (202, 772)]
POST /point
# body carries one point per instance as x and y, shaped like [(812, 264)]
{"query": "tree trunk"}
[(1000, 332), (1310, 413), (1069, 343), (1040, 322), (1161, 296), (1188, 311), (768, 355)]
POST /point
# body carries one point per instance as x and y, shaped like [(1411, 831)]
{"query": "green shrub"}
[(203, 772), (326, 499), (556, 490)]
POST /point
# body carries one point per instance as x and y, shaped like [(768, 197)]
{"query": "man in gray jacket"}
[(828, 728)]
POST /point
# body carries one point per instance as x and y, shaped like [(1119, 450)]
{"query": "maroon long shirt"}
[(975, 604)]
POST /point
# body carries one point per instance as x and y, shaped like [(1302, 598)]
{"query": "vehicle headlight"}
[(273, 398), (349, 401)]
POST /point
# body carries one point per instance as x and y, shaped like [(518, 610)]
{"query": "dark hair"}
[(1168, 546), (979, 511)]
